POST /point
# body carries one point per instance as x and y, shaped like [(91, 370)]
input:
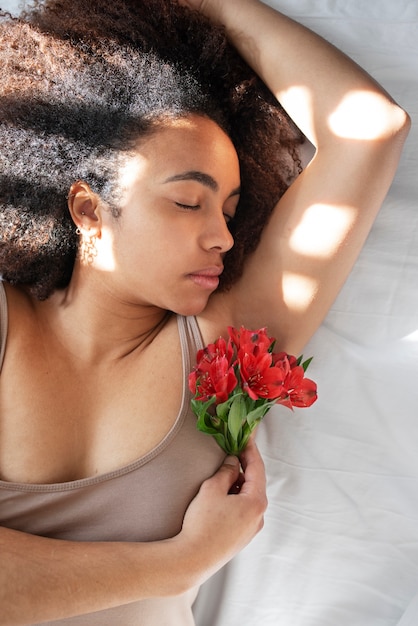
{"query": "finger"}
[(250, 451), (227, 475), (254, 470), (236, 487)]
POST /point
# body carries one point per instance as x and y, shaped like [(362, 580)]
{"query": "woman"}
[(93, 344)]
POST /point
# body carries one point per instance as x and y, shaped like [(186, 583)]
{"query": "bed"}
[(340, 541)]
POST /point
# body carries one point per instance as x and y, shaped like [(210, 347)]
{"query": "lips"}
[(207, 278)]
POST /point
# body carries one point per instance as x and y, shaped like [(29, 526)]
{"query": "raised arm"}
[(321, 223), (45, 579)]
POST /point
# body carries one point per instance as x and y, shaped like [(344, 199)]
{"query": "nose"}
[(216, 234)]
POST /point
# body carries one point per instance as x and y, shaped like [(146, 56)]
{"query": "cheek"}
[(156, 241), (151, 252)]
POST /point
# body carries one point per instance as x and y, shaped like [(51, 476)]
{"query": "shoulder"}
[(18, 310), (18, 300), (14, 316), (3, 323)]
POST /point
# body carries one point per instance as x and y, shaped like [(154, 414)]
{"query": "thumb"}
[(227, 474), (231, 460)]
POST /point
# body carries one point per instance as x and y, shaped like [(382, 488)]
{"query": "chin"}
[(191, 308)]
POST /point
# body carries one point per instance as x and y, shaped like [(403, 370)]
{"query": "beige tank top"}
[(143, 501)]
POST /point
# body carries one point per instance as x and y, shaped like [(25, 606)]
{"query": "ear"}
[(84, 207)]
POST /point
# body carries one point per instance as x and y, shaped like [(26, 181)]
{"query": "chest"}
[(62, 420)]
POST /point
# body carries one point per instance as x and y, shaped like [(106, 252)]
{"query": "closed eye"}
[(191, 207), (195, 207)]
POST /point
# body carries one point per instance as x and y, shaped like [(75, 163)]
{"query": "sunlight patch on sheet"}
[(412, 337), (321, 230)]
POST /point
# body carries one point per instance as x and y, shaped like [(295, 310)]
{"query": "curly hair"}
[(78, 92)]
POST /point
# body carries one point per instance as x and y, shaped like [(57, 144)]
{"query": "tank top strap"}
[(191, 341), (3, 322)]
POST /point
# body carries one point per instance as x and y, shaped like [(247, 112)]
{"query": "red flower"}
[(260, 379), (250, 341), (214, 374), (244, 378), (297, 390)]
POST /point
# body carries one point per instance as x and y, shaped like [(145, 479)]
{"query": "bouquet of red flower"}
[(236, 382)]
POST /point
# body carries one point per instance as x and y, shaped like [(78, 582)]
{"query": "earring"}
[(87, 250), (77, 230)]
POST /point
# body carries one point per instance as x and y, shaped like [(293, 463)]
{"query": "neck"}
[(97, 324)]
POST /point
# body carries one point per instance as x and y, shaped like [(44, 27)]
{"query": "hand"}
[(218, 524)]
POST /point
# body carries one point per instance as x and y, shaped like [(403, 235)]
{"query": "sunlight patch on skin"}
[(134, 164), (104, 260), (321, 230), (298, 290), (352, 118), (298, 99)]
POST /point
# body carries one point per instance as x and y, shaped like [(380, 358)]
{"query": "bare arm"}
[(45, 579), (321, 223)]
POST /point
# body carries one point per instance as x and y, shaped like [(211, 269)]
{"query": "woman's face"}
[(181, 189)]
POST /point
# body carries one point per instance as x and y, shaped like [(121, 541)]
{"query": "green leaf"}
[(306, 364), (246, 434), (236, 416), (205, 424), (259, 412), (220, 440), (199, 407), (222, 409)]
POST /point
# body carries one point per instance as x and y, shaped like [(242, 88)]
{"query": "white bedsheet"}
[(340, 542)]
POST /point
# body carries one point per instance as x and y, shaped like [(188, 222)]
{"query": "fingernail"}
[(231, 460)]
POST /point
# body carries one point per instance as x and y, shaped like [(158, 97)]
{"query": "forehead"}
[(193, 143)]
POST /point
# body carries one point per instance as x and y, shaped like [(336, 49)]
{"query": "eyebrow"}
[(200, 177)]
